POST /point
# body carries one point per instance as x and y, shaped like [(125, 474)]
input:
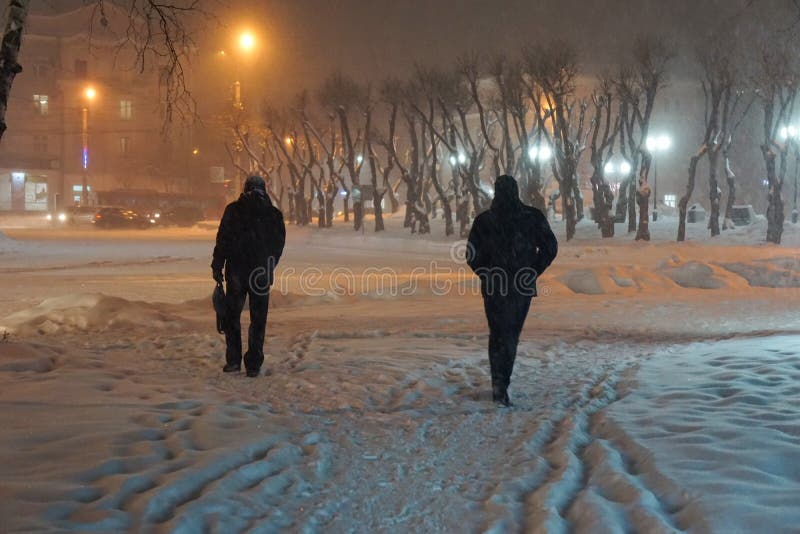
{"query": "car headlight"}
[(49, 217), (153, 221), (157, 215), (62, 217)]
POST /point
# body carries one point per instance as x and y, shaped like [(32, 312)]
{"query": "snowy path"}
[(406, 441)]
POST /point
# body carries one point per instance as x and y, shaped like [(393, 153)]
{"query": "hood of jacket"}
[(506, 194)]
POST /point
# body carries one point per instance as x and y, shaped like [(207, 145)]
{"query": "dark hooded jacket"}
[(511, 238), (251, 235)]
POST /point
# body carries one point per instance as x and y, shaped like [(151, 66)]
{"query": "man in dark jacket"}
[(510, 245), (250, 242)]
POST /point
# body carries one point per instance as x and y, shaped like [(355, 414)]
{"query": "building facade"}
[(81, 115)]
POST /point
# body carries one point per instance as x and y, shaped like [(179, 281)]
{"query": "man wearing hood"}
[(510, 246), (249, 245)]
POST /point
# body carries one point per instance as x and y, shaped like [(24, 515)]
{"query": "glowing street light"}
[(90, 93), (247, 41), (541, 153), (545, 153), (655, 144), (788, 132)]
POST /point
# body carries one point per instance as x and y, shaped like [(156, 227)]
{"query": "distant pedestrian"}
[(249, 245), (510, 246)]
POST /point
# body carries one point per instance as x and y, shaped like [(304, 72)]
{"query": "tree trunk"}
[(684, 202), (568, 210), (330, 198), (775, 202), (643, 199), (714, 195), (577, 195), (377, 199), (730, 179), (622, 203), (632, 194), (602, 199), (322, 206), (9, 53), (346, 206)]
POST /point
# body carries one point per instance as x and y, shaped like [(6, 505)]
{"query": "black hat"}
[(254, 182)]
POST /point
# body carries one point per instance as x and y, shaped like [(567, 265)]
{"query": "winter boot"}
[(231, 368), (500, 395)]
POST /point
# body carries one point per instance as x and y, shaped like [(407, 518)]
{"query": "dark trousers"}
[(506, 315), (237, 290)]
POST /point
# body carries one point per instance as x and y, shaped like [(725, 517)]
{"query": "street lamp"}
[(621, 170), (655, 144), (247, 42), (541, 153), (458, 159), (89, 95)]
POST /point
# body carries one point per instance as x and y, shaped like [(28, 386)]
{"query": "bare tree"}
[(638, 87), (604, 128), (160, 32), (554, 69), (776, 82), (9, 54), (726, 105), (345, 98)]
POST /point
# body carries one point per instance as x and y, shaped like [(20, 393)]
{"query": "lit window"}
[(125, 109), (124, 145), (41, 102), (671, 201), (40, 144)]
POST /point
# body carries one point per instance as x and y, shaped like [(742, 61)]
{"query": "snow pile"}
[(693, 274), (773, 272), (582, 281), (7, 245), (722, 420), (88, 312)]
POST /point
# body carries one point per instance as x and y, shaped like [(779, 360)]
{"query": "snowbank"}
[(722, 420), (89, 312)]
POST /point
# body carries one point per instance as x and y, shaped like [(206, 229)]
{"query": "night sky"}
[(303, 41)]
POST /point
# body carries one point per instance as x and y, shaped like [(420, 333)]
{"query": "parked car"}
[(120, 218), (81, 215), (178, 216)]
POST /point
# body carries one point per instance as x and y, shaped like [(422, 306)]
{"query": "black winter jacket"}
[(251, 235), (511, 241)]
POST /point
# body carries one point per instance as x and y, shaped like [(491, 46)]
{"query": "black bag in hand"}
[(218, 299)]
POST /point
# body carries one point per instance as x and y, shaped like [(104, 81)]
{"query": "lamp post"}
[(89, 95), (654, 145), (247, 43)]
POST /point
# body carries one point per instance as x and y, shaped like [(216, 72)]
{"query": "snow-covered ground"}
[(656, 389)]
